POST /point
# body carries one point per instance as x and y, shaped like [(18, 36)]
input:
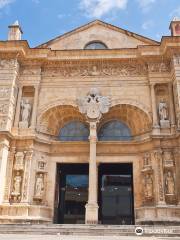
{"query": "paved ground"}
[(57, 237)]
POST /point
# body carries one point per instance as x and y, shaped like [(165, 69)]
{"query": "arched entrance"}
[(122, 124)]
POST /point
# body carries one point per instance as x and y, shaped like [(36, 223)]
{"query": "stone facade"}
[(39, 92)]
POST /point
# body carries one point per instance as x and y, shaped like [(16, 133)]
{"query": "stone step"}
[(88, 230)]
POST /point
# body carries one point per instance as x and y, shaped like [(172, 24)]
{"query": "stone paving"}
[(60, 237)]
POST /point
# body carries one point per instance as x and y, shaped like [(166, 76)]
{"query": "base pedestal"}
[(91, 213)]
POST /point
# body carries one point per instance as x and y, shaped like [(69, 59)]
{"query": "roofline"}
[(102, 22)]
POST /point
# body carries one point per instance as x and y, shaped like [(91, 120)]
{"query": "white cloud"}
[(145, 4), (4, 3), (148, 24), (98, 8)]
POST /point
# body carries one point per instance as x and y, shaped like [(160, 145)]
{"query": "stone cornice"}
[(21, 50)]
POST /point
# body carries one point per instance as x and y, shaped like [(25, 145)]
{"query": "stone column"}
[(35, 103), (92, 205), (171, 106), (4, 145), (18, 108), (156, 126)]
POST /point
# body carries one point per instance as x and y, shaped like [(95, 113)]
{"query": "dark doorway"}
[(71, 193), (116, 194)]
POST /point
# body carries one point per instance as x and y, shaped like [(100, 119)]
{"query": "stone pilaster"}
[(9, 71), (158, 178), (18, 108), (175, 75), (171, 107), (35, 104), (156, 127), (4, 148)]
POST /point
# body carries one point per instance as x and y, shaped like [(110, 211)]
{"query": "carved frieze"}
[(4, 107), (31, 71), (3, 123), (160, 67), (96, 70), (8, 63), (4, 92)]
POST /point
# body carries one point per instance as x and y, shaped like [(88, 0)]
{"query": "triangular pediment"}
[(113, 37)]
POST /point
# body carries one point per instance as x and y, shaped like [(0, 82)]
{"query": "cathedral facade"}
[(90, 128)]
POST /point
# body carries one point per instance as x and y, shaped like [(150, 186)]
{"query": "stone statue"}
[(19, 161), (163, 111), (169, 183), (93, 105), (39, 186), (25, 110), (17, 185), (148, 186)]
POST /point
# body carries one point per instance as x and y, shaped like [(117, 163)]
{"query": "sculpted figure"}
[(148, 186), (39, 186), (25, 110), (19, 162), (169, 183), (17, 185), (163, 111)]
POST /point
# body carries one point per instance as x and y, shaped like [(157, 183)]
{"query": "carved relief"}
[(8, 63), (158, 158), (19, 161), (4, 107), (31, 71), (148, 186), (39, 187), (159, 67), (4, 92), (147, 161), (169, 183), (168, 159), (3, 123), (97, 69), (94, 105)]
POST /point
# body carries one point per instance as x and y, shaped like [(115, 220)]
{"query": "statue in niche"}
[(25, 113), (148, 182), (93, 105), (39, 186), (163, 111), (17, 185), (19, 161), (169, 183)]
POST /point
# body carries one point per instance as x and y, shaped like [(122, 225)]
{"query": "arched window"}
[(114, 131), (95, 45), (74, 131)]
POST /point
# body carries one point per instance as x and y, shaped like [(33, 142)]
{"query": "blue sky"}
[(42, 20)]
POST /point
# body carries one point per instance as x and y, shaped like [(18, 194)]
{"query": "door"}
[(116, 194), (73, 193)]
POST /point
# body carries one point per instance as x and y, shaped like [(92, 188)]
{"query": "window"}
[(95, 45), (114, 131), (74, 131)]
